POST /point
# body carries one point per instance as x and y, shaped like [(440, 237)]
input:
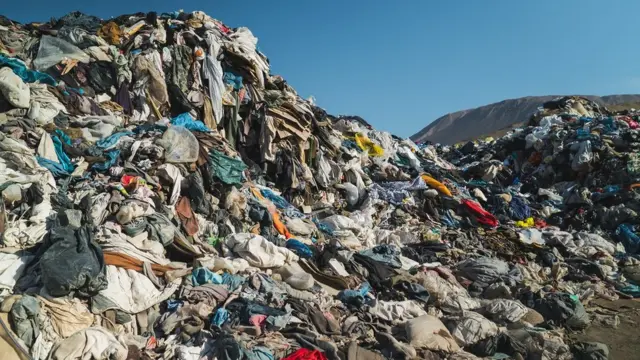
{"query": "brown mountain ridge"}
[(490, 119)]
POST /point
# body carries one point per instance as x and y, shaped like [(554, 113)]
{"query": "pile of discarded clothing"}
[(164, 196)]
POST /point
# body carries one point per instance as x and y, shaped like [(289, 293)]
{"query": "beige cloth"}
[(258, 251), (429, 332), (10, 349), (90, 344), (68, 316)]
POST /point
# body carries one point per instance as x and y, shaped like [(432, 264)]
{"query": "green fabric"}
[(633, 164), (225, 168)]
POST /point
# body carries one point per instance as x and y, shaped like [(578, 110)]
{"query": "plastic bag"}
[(53, 50), (180, 145)]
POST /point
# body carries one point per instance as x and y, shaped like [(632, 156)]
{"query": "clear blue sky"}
[(402, 64)]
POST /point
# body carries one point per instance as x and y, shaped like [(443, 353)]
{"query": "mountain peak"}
[(488, 119)]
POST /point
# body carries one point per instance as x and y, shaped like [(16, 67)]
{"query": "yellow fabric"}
[(436, 185), (365, 144), (525, 223)]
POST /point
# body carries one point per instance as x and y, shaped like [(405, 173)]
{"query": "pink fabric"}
[(258, 320)]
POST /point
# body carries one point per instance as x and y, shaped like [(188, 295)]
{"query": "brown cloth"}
[(187, 216), (131, 263), (356, 352), (210, 294)]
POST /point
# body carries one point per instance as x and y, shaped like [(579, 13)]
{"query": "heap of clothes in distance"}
[(164, 196)]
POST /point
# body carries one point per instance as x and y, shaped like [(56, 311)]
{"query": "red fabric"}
[(483, 216), (541, 224), (306, 354)]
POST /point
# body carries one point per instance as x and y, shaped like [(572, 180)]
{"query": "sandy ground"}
[(616, 324)]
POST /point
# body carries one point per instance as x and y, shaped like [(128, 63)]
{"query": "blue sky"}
[(402, 64)]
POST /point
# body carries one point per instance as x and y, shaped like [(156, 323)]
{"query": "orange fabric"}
[(280, 226), (277, 223), (436, 185), (111, 33), (131, 263)]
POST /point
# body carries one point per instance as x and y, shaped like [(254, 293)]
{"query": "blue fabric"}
[(112, 139), (281, 203), (449, 220), (112, 157), (519, 209), (386, 254), (187, 121), (232, 281), (355, 297), (201, 276), (299, 248), (631, 289), (612, 188), (631, 241), (173, 305), (58, 138), (233, 79), (221, 316), (28, 76), (55, 167), (323, 227), (350, 144)]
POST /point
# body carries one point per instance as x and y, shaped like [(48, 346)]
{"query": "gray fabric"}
[(386, 254), (25, 319), (486, 270)]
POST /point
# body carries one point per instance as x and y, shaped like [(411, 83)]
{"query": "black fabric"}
[(178, 100), (123, 98), (193, 188), (72, 262), (102, 76), (559, 309), (227, 348), (379, 273), (310, 313), (244, 309)]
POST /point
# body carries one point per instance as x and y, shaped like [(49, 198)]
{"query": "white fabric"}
[(133, 210), (44, 105), (14, 90), (133, 292), (46, 149), (212, 71), (11, 268), (173, 173), (258, 251)]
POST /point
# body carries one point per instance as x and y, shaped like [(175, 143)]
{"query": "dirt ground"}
[(621, 335)]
